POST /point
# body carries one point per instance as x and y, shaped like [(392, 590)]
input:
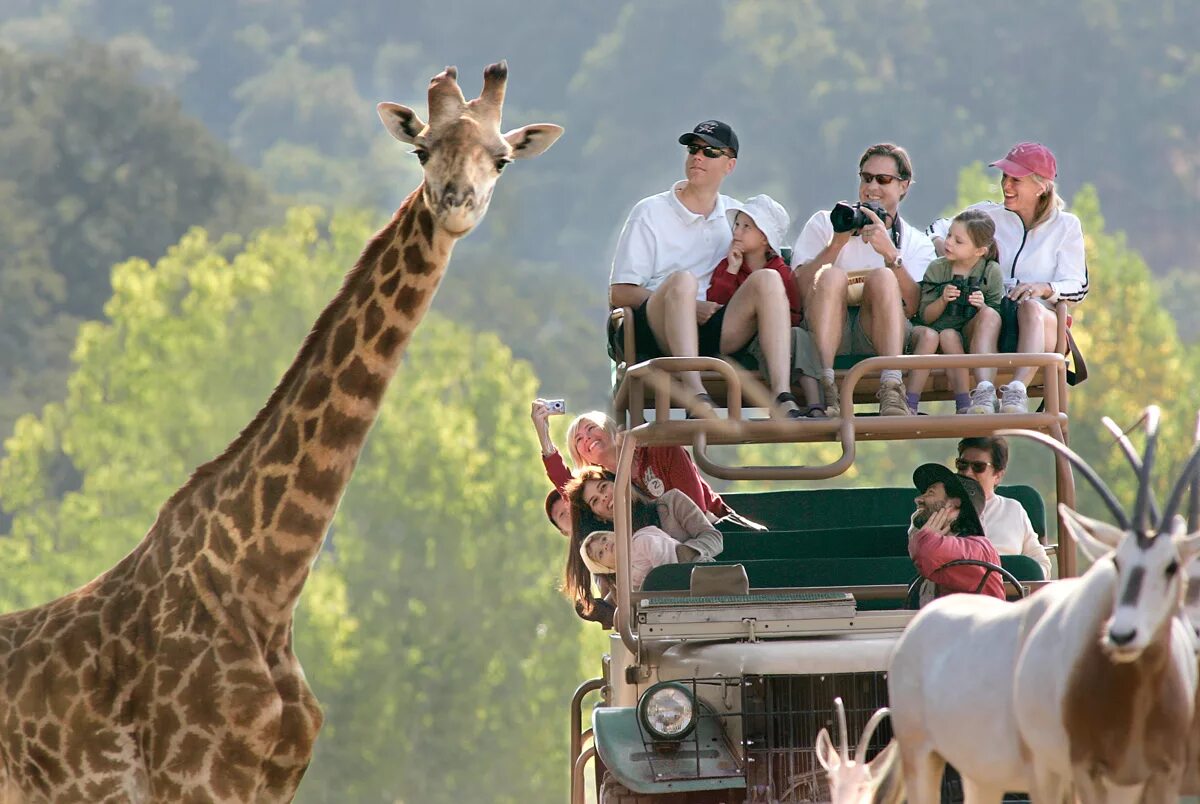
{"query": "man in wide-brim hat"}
[(949, 507)]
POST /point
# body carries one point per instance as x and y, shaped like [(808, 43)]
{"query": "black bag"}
[(1008, 342), (1008, 326)]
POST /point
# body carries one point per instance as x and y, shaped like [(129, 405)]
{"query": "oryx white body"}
[(1110, 730), (1085, 689), (950, 685)]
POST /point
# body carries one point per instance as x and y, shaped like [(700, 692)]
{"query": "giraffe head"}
[(461, 148)]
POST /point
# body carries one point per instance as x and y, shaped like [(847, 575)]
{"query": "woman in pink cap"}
[(1041, 259)]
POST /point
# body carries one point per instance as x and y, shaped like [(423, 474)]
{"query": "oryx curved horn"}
[(1141, 510), (860, 753), (1079, 463), (1194, 501), (1181, 485), (843, 731), (1135, 460)]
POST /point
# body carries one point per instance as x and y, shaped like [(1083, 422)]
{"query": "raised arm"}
[(556, 468)]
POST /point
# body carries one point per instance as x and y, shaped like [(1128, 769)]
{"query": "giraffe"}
[(171, 677)]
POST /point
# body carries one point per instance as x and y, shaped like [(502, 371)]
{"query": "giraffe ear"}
[(530, 141), (400, 121)]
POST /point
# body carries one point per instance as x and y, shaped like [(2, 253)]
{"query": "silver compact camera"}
[(557, 406)]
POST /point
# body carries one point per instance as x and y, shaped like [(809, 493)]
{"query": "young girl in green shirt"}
[(970, 265)]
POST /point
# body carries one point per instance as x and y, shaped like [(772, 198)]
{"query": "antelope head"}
[(1148, 552), (856, 781)]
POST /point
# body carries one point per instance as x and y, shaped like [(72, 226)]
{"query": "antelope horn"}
[(1079, 463), (860, 754), (1194, 497), (445, 98), (843, 743), (1185, 479), (1141, 511), (1131, 455)]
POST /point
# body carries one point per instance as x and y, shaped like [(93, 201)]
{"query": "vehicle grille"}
[(782, 716)]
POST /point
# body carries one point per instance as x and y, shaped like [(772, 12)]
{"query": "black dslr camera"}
[(966, 287), (847, 217)]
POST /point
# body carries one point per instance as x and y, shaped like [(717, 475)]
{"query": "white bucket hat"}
[(768, 215)]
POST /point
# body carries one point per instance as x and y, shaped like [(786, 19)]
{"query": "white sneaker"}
[(1013, 398), (983, 399)]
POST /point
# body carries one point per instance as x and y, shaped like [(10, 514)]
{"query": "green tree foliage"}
[(431, 628), (1181, 297), (97, 168)]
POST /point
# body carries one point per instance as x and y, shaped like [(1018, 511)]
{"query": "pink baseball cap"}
[(1028, 157)]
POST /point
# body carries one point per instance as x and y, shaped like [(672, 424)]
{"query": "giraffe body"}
[(171, 677)]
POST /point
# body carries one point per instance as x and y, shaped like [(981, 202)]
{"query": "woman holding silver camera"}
[(1041, 255), (592, 441)]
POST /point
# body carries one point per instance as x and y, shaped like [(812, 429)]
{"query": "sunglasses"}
[(977, 467), (882, 179), (708, 150)]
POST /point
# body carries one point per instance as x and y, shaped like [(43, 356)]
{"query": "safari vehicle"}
[(719, 676)]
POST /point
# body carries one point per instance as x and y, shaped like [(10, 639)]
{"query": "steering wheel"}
[(911, 597)]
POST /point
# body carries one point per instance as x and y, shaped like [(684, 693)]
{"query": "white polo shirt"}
[(662, 236), (1050, 252), (916, 249)]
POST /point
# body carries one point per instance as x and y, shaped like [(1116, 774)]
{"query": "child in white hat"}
[(759, 227), (650, 547)]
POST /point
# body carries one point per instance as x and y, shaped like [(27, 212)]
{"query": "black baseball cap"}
[(960, 487), (714, 132)]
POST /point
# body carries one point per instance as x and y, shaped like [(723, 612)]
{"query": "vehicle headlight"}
[(668, 711)]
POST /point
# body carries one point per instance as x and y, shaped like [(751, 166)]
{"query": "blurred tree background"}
[(145, 311)]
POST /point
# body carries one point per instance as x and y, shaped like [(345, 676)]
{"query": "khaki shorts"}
[(804, 354), (855, 340)]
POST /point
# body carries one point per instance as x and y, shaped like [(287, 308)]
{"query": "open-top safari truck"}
[(719, 676)]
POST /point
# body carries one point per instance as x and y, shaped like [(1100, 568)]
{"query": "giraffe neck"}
[(259, 512)]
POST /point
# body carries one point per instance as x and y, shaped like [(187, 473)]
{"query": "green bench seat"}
[(811, 572), (863, 542), (821, 509)]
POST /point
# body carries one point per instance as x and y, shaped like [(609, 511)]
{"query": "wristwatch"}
[(896, 263)]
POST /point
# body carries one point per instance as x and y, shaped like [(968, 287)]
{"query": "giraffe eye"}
[(502, 163), (421, 154)]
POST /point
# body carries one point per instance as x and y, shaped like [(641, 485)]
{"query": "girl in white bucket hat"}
[(759, 226)]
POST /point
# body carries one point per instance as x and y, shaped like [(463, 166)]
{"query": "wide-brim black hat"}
[(960, 487), (714, 132)]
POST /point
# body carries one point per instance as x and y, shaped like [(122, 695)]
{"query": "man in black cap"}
[(665, 257), (948, 525)]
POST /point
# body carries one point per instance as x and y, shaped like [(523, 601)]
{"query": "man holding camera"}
[(872, 240)]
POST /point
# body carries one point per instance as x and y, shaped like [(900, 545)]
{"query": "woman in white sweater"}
[(1041, 255)]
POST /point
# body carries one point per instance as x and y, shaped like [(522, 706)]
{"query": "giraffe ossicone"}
[(171, 676)]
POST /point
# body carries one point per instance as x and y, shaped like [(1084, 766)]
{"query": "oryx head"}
[(856, 781), (1149, 552)]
